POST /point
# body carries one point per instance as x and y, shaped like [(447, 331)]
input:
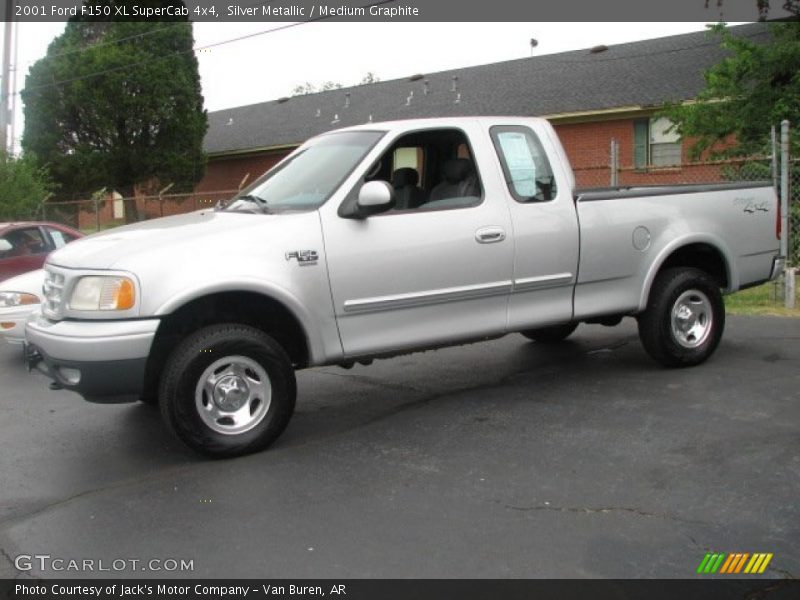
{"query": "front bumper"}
[(12, 322), (103, 361)]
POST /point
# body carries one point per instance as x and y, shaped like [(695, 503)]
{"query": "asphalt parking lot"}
[(501, 459)]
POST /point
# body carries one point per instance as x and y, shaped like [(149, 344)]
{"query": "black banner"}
[(432, 589), (395, 10)]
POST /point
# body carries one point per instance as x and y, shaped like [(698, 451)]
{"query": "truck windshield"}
[(307, 178)]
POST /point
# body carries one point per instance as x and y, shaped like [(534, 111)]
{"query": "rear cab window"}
[(525, 165)]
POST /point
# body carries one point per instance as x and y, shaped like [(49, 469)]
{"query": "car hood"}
[(29, 283), (187, 237)]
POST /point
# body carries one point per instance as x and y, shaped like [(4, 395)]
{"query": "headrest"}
[(405, 176), (457, 169)]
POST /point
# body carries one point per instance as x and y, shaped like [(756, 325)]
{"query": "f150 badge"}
[(304, 257)]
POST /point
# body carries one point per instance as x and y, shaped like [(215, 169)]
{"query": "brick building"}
[(591, 96)]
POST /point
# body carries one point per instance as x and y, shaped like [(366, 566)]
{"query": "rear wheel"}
[(684, 319), (227, 390), (552, 334)]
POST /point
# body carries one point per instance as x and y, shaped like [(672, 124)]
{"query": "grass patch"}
[(765, 299)]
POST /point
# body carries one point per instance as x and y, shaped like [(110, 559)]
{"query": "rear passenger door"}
[(546, 235), (431, 275)]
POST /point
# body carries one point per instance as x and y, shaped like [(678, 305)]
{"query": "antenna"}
[(534, 43)]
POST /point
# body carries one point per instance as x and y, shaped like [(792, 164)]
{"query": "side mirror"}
[(374, 197), (5, 245)]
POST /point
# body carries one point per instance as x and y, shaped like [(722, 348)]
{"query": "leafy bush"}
[(23, 187)]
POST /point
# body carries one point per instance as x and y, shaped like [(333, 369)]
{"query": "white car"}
[(19, 297)]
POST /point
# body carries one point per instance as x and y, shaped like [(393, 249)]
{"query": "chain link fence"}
[(794, 213), (108, 210)]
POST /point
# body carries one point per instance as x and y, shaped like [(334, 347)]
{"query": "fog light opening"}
[(70, 376)]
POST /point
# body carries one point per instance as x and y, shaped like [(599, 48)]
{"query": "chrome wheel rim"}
[(233, 395), (692, 319)]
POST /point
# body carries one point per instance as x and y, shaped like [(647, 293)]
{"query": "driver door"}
[(417, 278)]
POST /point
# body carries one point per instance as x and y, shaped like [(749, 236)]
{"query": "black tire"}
[(252, 356), (674, 346), (552, 334)]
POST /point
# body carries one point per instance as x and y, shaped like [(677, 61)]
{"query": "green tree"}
[(310, 88), (756, 87), (790, 6), (370, 77), (118, 104), (23, 187)]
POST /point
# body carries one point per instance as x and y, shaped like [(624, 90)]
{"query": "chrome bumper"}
[(778, 266), (102, 361)]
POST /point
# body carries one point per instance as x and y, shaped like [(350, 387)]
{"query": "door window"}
[(430, 170), (24, 242), (60, 238), (525, 165)]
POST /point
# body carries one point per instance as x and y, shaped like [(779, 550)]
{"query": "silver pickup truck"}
[(383, 239)]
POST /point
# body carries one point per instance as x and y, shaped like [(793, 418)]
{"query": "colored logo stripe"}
[(710, 563), (737, 562)]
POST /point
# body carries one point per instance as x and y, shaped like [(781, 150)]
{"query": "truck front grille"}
[(53, 294)]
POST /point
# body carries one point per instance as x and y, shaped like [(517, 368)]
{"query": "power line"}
[(191, 50), (107, 43), (127, 38), (150, 60)]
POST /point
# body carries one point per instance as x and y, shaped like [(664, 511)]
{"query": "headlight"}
[(9, 299), (103, 293)]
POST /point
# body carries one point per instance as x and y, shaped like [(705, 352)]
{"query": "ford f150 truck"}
[(383, 239)]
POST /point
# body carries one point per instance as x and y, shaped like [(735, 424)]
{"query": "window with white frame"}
[(655, 143)]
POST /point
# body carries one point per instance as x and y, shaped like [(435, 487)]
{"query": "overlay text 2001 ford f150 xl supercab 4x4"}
[(382, 239)]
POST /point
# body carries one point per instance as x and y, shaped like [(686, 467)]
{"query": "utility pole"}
[(789, 273), (5, 74), (12, 111)]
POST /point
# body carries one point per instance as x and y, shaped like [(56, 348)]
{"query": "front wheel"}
[(684, 319), (227, 390)]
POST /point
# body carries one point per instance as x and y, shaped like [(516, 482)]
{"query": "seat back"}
[(459, 181), (408, 194)]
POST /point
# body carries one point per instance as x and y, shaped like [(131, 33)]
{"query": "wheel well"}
[(700, 256), (247, 308)]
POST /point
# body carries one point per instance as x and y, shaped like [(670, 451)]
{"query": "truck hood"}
[(180, 238)]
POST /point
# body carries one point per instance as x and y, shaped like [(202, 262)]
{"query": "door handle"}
[(490, 235)]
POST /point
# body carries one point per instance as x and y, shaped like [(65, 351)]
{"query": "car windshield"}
[(307, 178)]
